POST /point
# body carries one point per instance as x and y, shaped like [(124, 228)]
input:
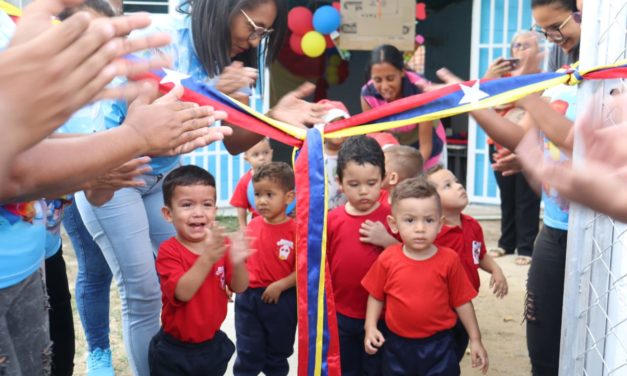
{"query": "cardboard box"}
[(367, 24)]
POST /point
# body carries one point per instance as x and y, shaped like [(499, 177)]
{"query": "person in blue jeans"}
[(93, 280), (93, 283)]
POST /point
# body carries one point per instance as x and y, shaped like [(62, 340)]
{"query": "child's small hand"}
[(373, 341), (498, 283), (240, 247), (374, 233), (272, 293), (478, 355), (214, 243)]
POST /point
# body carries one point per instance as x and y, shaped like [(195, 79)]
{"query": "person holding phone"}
[(526, 57), (520, 205)]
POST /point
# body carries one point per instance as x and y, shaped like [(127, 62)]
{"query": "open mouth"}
[(198, 225)]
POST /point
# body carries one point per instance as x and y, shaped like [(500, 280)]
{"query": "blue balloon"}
[(326, 19)]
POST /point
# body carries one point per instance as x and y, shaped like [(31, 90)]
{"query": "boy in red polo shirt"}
[(360, 170), (265, 314), (194, 269), (424, 289), (242, 199), (463, 234)]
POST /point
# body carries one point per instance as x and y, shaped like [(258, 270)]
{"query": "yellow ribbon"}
[(10, 9)]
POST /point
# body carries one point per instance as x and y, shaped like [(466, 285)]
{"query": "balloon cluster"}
[(310, 31)]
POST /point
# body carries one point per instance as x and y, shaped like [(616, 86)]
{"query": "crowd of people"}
[(103, 159)]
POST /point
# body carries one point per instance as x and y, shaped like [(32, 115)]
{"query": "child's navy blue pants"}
[(264, 333), (168, 356), (353, 357), (430, 356)]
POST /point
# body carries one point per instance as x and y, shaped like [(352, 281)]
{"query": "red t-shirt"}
[(419, 296), (350, 259), (240, 194), (200, 318), (274, 255), (467, 241), (384, 197)]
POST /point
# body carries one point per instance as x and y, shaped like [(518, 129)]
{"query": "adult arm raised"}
[(291, 109), (60, 165), (50, 72)]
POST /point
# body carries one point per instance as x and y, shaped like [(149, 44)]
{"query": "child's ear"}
[(441, 224), (289, 197), (393, 178), (167, 213), (339, 183), (392, 224)]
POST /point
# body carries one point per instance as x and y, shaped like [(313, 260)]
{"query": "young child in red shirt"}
[(360, 170), (265, 314), (464, 235), (242, 199), (194, 269), (424, 289)]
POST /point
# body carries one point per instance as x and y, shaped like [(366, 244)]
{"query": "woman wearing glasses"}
[(217, 42), (559, 21), (551, 117)]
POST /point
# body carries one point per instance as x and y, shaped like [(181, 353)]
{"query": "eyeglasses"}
[(554, 33), (258, 31), (520, 46)]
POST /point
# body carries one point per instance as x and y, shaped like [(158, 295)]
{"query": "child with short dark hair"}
[(463, 234), (265, 314), (424, 289), (194, 269), (242, 199), (360, 170)]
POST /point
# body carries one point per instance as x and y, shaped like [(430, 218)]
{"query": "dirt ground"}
[(500, 320)]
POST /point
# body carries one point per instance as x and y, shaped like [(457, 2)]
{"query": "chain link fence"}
[(594, 323)]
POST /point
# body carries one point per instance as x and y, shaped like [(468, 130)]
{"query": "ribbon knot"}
[(574, 77)]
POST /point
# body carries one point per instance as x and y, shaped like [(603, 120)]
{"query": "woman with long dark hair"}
[(389, 80)]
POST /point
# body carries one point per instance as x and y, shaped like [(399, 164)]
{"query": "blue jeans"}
[(129, 229), (93, 281)]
